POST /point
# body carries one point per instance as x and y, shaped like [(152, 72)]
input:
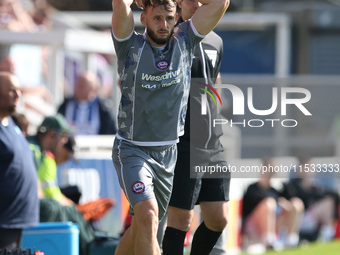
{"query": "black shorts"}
[(187, 192)]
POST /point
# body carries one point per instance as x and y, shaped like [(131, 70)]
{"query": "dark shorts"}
[(187, 192)]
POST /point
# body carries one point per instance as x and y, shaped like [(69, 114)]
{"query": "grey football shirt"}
[(155, 86)]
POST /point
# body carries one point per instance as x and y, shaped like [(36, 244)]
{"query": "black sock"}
[(204, 240), (173, 241)]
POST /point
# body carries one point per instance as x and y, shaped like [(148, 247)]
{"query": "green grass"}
[(317, 248)]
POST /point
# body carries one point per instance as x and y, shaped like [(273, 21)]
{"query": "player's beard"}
[(157, 40)]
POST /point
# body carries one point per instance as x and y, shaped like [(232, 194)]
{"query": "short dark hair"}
[(166, 3)]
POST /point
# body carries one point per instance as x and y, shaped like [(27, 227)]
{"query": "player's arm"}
[(122, 18), (209, 14)]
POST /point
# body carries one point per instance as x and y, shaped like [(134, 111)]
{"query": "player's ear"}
[(143, 18)]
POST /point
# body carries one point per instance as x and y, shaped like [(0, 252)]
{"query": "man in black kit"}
[(211, 194)]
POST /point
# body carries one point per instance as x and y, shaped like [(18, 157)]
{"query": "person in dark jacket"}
[(86, 112), (19, 204), (321, 205), (266, 213), (211, 194)]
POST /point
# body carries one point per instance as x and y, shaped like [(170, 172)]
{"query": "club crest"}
[(138, 187), (162, 65)]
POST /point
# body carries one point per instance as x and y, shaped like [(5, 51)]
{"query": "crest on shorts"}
[(138, 187)]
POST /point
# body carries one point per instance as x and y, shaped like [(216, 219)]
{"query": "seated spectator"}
[(265, 214), (50, 209), (51, 132), (87, 113), (321, 205), (64, 152)]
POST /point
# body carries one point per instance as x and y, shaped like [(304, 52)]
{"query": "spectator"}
[(85, 111), (64, 151), (54, 206), (19, 204), (32, 97), (265, 213), (52, 210), (53, 145), (321, 205), (52, 132)]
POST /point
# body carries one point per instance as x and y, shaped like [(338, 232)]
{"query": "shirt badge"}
[(162, 65)]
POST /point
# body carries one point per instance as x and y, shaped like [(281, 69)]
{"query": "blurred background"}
[(267, 43)]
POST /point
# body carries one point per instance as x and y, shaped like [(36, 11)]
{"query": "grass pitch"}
[(317, 248)]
